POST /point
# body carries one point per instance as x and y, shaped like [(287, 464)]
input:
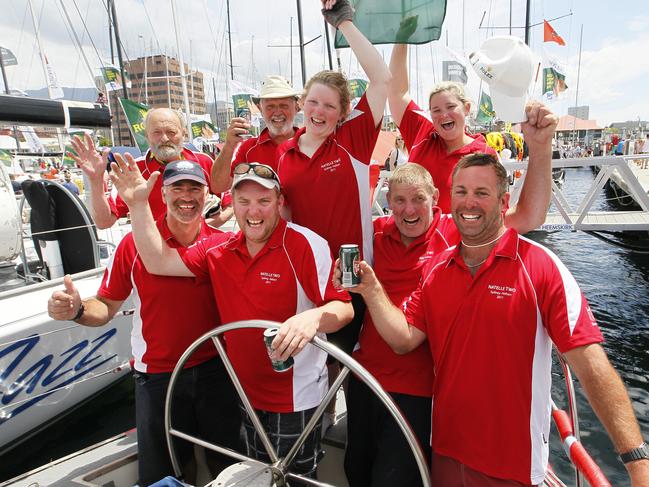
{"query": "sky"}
[(612, 73)]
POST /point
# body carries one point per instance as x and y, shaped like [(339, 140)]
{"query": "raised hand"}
[(541, 124), (128, 180), (336, 12), (64, 305), (407, 28), (88, 159), (238, 126)]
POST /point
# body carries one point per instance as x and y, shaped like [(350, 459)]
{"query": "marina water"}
[(614, 280)]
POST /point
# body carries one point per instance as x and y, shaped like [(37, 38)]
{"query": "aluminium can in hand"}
[(278, 365), (350, 257)]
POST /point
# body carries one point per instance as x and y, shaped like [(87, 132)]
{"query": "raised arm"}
[(532, 207), (610, 401), (220, 176), (398, 96), (67, 305), (157, 256), (93, 164), (388, 320), (339, 14)]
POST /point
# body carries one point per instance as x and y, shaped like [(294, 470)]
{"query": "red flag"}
[(550, 35)]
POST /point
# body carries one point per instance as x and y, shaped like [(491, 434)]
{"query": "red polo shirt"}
[(148, 165), (399, 270), (491, 340), (330, 192), (170, 312), (257, 149), (427, 148), (291, 274)]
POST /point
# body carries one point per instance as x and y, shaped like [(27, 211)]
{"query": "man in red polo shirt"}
[(491, 307), (278, 104), (206, 402), (270, 270), (165, 131)]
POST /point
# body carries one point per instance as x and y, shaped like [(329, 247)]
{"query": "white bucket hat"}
[(276, 87), (506, 64)]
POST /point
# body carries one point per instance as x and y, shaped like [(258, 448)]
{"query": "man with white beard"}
[(278, 104), (164, 129)]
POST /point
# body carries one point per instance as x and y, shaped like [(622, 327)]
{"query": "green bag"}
[(397, 21)]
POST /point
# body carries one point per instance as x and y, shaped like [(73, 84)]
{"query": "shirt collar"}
[(292, 143), (238, 243), (507, 246), (167, 236)]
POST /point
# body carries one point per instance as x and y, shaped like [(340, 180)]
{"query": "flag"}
[(113, 78), (384, 23), (553, 83), (135, 113), (242, 102), (53, 82), (454, 71), (33, 141), (204, 129), (67, 160), (357, 87), (550, 35), (8, 57), (485, 109)]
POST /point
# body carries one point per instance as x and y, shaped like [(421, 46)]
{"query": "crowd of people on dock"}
[(455, 308)]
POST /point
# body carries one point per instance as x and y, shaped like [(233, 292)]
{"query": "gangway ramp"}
[(584, 218)]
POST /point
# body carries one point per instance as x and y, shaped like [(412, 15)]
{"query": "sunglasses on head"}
[(261, 170)]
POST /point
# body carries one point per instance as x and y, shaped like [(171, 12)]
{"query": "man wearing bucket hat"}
[(157, 340), (269, 270), (277, 101)]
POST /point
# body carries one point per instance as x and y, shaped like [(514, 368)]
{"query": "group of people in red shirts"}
[(449, 267)]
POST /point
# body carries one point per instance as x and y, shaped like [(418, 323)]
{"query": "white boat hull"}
[(48, 367)]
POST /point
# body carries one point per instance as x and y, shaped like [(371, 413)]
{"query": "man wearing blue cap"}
[(205, 402)]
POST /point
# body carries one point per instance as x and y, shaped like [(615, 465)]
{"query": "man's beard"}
[(166, 152)]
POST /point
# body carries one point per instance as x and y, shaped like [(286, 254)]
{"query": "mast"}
[(291, 48), (4, 73), (183, 80), (230, 42), (118, 44), (301, 37), (328, 43), (581, 34), (527, 22)]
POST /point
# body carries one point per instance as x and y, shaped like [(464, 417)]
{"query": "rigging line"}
[(121, 44), (14, 72), (85, 27), (77, 44), (76, 66), (148, 17)]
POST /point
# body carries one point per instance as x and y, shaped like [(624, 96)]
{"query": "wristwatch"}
[(640, 453)]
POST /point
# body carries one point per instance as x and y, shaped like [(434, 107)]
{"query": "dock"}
[(623, 170)]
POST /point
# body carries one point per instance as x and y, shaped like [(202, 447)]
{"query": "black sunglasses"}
[(261, 170)]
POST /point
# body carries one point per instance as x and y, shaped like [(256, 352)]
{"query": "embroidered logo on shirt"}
[(269, 277), (331, 165), (501, 292), (427, 256)]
